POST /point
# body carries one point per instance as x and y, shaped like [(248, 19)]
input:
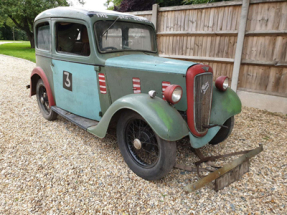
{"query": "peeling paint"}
[(160, 110)]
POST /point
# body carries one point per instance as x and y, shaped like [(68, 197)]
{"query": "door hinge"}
[(97, 68)]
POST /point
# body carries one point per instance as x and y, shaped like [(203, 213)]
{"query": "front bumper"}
[(197, 142)]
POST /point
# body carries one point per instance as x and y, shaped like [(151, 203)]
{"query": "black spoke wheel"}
[(141, 143), (223, 133), (43, 102), (147, 155)]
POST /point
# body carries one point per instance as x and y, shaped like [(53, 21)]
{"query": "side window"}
[(43, 39), (72, 38)]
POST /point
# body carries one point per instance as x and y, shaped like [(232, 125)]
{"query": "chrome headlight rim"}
[(173, 93), (221, 83), (225, 83), (176, 94)]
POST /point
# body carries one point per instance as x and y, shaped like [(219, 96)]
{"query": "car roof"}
[(80, 13)]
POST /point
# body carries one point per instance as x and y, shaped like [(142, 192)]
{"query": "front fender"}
[(224, 105), (164, 119)]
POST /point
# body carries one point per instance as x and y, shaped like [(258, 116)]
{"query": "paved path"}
[(9, 42)]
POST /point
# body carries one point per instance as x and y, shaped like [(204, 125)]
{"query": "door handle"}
[(52, 64)]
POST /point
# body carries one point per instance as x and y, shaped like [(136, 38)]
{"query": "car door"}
[(75, 79)]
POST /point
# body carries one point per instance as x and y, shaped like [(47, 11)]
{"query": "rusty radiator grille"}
[(202, 100)]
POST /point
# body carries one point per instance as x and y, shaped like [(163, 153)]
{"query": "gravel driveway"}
[(57, 168)]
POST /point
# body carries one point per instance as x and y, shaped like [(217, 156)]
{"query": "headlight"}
[(173, 93), (222, 83)]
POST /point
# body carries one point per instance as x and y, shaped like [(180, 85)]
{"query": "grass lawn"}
[(21, 50)]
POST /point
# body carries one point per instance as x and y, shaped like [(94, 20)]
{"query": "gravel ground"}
[(57, 168)]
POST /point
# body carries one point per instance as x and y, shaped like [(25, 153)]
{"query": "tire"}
[(43, 103), (154, 157), (223, 133)]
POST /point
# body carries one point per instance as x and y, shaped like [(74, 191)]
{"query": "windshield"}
[(118, 36)]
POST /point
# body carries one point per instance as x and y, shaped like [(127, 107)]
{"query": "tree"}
[(8, 30), (82, 2), (135, 5), (166, 3), (139, 5), (201, 1), (23, 13), (114, 3)]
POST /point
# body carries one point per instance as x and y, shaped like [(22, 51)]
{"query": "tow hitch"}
[(223, 176)]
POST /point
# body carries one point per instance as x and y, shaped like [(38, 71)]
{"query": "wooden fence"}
[(245, 40)]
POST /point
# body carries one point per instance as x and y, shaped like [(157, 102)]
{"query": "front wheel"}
[(223, 133), (146, 154)]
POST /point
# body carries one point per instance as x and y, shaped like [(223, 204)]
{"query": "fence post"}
[(154, 15), (239, 45)]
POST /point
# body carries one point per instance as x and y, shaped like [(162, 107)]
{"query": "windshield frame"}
[(125, 50)]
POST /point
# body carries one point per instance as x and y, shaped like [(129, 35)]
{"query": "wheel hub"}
[(42, 100), (137, 144)]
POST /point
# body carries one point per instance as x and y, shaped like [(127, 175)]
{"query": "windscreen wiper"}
[(110, 26)]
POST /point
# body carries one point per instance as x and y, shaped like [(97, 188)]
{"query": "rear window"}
[(72, 38), (43, 40)]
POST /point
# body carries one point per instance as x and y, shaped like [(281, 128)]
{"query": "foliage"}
[(4, 20), (164, 3), (139, 5), (115, 3), (9, 31), (82, 2), (23, 12), (135, 5), (201, 1), (21, 50)]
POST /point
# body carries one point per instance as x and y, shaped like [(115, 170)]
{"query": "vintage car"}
[(100, 68)]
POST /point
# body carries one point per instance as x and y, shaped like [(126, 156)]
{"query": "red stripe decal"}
[(164, 85), (102, 82), (136, 85)]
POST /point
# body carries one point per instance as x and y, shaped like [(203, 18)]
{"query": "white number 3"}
[(67, 82)]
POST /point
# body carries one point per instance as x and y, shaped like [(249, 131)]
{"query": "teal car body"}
[(97, 82)]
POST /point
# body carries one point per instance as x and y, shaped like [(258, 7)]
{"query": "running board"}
[(82, 122)]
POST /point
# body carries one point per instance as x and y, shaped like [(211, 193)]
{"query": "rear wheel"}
[(223, 133), (43, 102), (146, 154)]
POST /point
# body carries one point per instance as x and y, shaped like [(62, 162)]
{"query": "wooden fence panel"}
[(267, 49), (208, 34), (192, 39), (148, 17), (206, 19), (204, 46)]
